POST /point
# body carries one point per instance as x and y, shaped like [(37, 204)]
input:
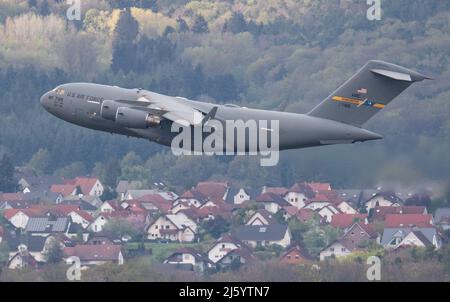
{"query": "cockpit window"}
[(59, 91)]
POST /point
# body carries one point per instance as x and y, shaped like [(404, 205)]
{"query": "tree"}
[(120, 228), (216, 227), (32, 3), (182, 26), (44, 8), (40, 162), (7, 183), (124, 48), (112, 173), (54, 252), (235, 24), (200, 25)]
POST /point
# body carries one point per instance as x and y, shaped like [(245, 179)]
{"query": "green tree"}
[(200, 25), (54, 252), (40, 162), (7, 183), (120, 228), (125, 36), (216, 227)]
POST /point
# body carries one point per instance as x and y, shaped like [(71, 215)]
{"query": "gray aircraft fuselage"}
[(80, 104)]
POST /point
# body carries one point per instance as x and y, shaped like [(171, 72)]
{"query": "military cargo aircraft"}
[(145, 114)]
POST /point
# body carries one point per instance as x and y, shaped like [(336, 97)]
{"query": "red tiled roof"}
[(153, 198), (64, 190), (379, 213), (272, 197), (276, 190), (85, 183), (40, 210), (343, 221), (305, 214), (302, 188), (100, 252), (319, 187), (12, 196), (213, 190), (85, 215), (408, 220)]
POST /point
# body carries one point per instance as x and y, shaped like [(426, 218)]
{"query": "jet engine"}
[(109, 110), (134, 118)]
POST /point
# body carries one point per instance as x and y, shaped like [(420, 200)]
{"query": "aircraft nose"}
[(44, 100)]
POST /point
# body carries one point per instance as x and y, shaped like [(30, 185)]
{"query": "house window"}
[(167, 226), (223, 246), (343, 249), (289, 257), (332, 249), (156, 226), (297, 257)]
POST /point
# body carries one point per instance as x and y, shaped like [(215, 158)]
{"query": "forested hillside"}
[(267, 54)]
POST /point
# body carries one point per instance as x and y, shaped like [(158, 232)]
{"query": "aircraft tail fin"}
[(368, 91)]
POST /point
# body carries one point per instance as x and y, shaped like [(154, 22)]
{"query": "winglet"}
[(210, 115)]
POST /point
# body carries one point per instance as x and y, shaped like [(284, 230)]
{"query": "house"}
[(261, 217), (18, 217), (91, 255), (258, 236), (155, 203), (223, 246), (48, 225), (99, 222), (275, 190), (344, 221), (36, 246), (94, 201), (22, 259), (296, 255), (215, 191), (442, 218), (82, 205), (192, 198), (235, 258), (240, 195), (124, 185), (346, 208), (319, 187), (110, 206), (194, 260), (393, 237), (82, 218), (272, 202), (383, 199), (336, 249), (317, 203), (16, 204), (299, 194), (300, 215), (174, 227), (12, 196), (104, 237), (41, 183), (359, 235), (415, 239), (379, 213), (408, 220), (328, 212), (90, 186)]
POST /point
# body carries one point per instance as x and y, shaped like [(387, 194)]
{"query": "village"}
[(211, 227)]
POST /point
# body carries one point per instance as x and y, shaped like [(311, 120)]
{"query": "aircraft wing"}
[(176, 110)]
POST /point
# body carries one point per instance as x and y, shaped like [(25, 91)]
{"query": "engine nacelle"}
[(133, 118), (109, 110)]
